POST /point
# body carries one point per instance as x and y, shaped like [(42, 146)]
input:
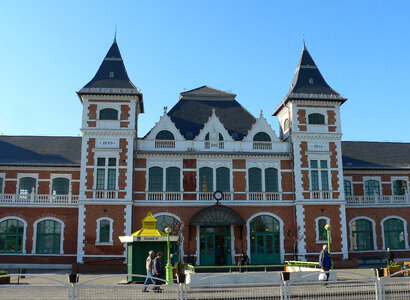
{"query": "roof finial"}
[(165, 110), (115, 34), (261, 112), (304, 45)]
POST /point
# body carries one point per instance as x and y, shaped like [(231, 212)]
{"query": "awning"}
[(216, 215)]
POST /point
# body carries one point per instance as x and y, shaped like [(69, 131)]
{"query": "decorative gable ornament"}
[(214, 127), (261, 125), (165, 123)]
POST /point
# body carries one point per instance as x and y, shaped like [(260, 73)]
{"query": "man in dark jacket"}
[(389, 256), (157, 271), (325, 261)]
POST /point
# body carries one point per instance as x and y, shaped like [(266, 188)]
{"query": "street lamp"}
[(328, 228), (168, 266)]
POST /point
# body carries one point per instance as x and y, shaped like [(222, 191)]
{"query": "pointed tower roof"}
[(309, 84), (111, 78)]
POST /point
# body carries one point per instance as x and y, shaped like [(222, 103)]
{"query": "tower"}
[(111, 104), (309, 119)]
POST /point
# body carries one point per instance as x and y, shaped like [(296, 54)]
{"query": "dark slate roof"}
[(309, 84), (40, 151), (195, 107), (375, 155)]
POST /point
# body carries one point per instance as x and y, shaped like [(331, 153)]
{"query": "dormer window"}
[(108, 114), (262, 141), (316, 119), (165, 139), (111, 74), (214, 143), (311, 81)]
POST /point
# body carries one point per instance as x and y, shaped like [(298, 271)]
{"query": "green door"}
[(264, 241), (215, 246)]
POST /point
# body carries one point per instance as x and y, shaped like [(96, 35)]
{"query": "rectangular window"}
[(319, 168), (325, 182), (315, 180), (104, 231), (100, 179), (111, 179), (106, 176)]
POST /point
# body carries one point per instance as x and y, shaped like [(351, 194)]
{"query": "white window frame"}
[(348, 178), (318, 158), (113, 154), (22, 175), (34, 248), (393, 179), (406, 242), (3, 176), (97, 239), (317, 229), (56, 175), (373, 230), (24, 234), (164, 165)]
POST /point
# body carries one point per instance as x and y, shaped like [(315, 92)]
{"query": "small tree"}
[(293, 231)]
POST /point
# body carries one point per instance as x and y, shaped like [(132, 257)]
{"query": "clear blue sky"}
[(51, 49)]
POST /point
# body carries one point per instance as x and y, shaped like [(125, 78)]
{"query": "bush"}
[(3, 273)]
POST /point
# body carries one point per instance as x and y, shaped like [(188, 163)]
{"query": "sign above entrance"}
[(131, 239)]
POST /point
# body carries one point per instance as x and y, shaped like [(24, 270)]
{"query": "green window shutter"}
[(48, 237), (325, 180), (27, 184), (271, 180), (372, 188), (222, 179), (105, 231), (347, 187), (362, 234), (394, 233), (61, 186), (322, 231), (112, 177), (155, 181), (205, 179), (255, 180), (173, 179), (100, 179), (11, 236), (399, 187), (315, 180)]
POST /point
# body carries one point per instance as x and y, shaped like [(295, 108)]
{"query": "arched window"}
[(286, 125), (165, 135), (27, 185), (222, 179), (61, 186), (394, 233), (399, 187), (164, 221), (221, 138), (173, 178), (348, 187), (155, 180), (108, 114), (48, 239), (255, 180), (362, 235), (264, 240), (261, 137), (11, 236), (316, 119), (205, 179), (322, 233), (271, 180), (104, 230), (372, 188)]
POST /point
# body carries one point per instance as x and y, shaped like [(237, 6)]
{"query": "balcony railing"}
[(105, 194), (321, 195), (209, 196), (252, 196), (30, 199), (208, 145), (378, 200), (164, 144), (262, 145), (167, 196)]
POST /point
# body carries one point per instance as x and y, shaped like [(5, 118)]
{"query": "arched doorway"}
[(215, 224), (264, 240)]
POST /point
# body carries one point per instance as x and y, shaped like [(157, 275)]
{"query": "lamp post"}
[(328, 228), (168, 266)]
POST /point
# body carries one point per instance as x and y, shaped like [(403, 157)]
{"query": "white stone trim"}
[(393, 179), (23, 175), (97, 238), (34, 248), (3, 177), (343, 229), (300, 221), (81, 231), (406, 242), (127, 225), (373, 230), (376, 178), (24, 232), (281, 234), (317, 229), (56, 175), (198, 252)]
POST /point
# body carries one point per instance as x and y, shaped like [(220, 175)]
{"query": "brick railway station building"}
[(64, 201)]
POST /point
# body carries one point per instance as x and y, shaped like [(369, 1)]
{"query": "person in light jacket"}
[(325, 261), (149, 263)]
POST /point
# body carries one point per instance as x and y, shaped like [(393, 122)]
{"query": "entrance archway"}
[(215, 234)]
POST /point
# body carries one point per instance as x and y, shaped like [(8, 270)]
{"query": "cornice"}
[(140, 154), (373, 171), (316, 136), (108, 132), (42, 167)]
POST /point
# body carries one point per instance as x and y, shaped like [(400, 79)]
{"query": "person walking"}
[(149, 263), (325, 261), (157, 271), (389, 256)]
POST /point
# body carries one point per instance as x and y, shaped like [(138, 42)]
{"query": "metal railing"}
[(30, 199), (378, 200), (105, 194)]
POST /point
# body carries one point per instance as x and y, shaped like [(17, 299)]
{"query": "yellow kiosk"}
[(141, 242)]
